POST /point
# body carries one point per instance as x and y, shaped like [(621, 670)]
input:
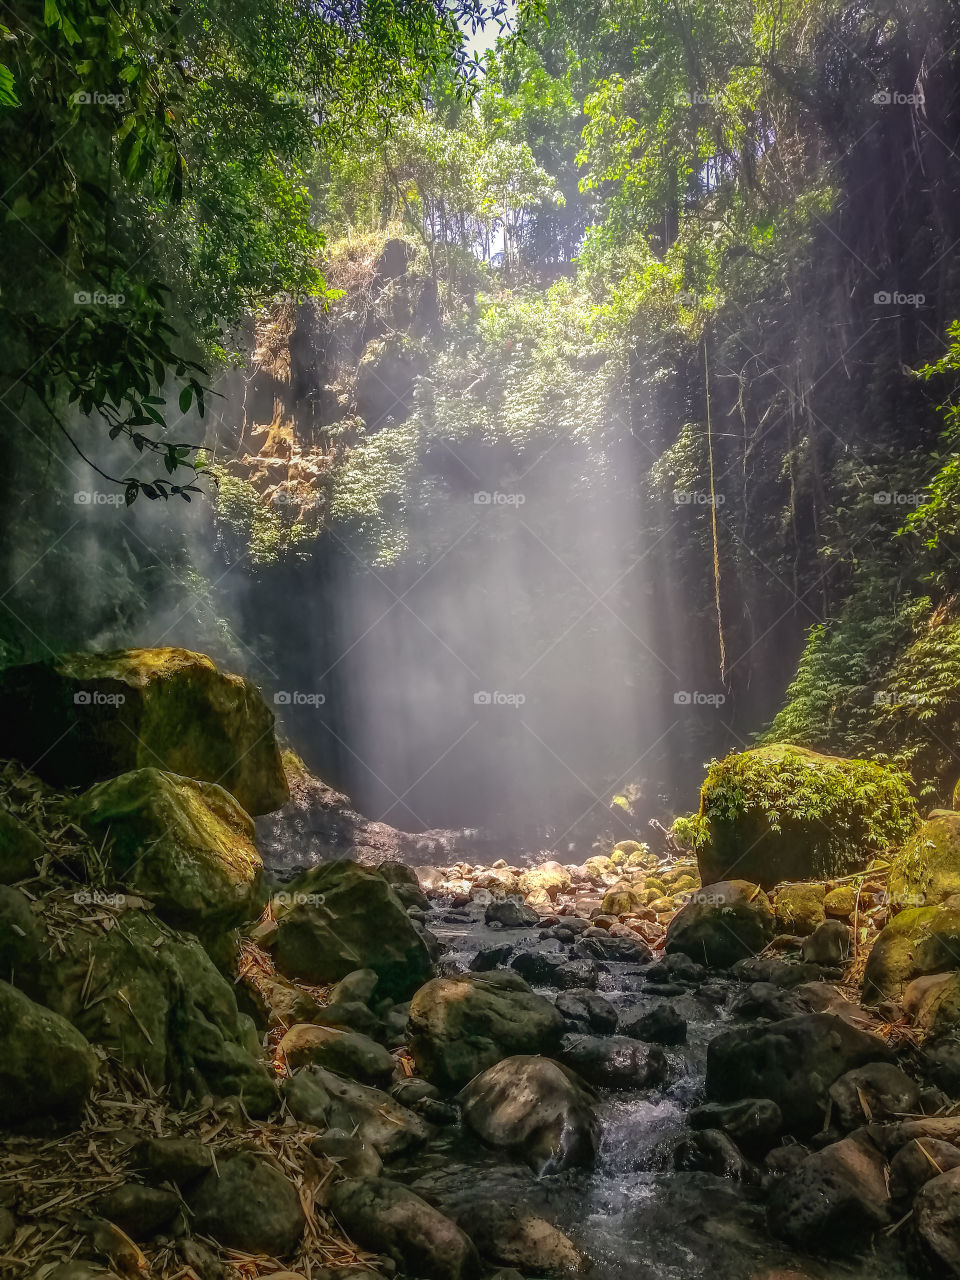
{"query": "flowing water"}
[(633, 1214)]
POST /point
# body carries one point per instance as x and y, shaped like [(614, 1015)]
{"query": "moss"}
[(926, 870)]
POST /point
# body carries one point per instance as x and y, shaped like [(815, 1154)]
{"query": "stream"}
[(633, 1215)]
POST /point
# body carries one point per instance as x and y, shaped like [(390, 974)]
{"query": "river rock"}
[(877, 1091), (721, 924), (676, 968), (47, 1067), (346, 917), (461, 1025), (926, 870), (541, 966), (320, 1098), (916, 1163), (345, 1052), (837, 1198), (405, 883), (354, 1157), (172, 1159), (22, 941), (936, 1223), (793, 1062), (85, 717), (829, 944), (137, 1210), (535, 1108), (20, 849), (509, 1235), (580, 1005), (384, 1216), (248, 1204), (187, 846), (610, 946), (660, 1025), (799, 908), (916, 942), (711, 1151), (511, 914), (488, 958), (623, 901), (764, 1000), (614, 1062), (754, 1123), (933, 1003), (549, 878)]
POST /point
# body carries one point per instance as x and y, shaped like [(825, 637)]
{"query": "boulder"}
[(347, 917), (185, 845), (877, 1091), (22, 941), (389, 1218), (461, 1025), (841, 902), (754, 1124), (610, 946), (20, 849), (839, 812), (47, 1067), (659, 1025), (320, 1098), (536, 1109), (178, 1160), (511, 914), (936, 1223), (247, 1203), (828, 945), (139, 1211), (346, 1052), (799, 908), (623, 901), (916, 1163), (793, 1063), (926, 870), (85, 717), (916, 942), (509, 1235), (933, 1003), (614, 1062), (838, 1198), (721, 924), (582, 1006), (711, 1151)]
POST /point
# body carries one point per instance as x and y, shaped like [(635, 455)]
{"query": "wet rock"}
[(926, 870), (177, 1160), (540, 968), (246, 1203), (721, 924), (941, 1056), (609, 947), (676, 968), (139, 1211), (359, 985), (386, 1217), (535, 1108), (799, 908), (933, 1002), (877, 1091), (20, 849), (838, 1197), (412, 1090), (459, 1026), (754, 1124), (775, 971), (345, 1052), (574, 974), (581, 1005), (916, 1163), (614, 1062), (549, 878), (829, 944), (490, 957), (47, 1067), (509, 1235), (711, 1151), (512, 914), (916, 942), (404, 882), (793, 1062), (319, 1097), (660, 1025), (353, 1157), (171, 709), (936, 1223), (764, 1000), (623, 901), (347, 917), (187, 846)]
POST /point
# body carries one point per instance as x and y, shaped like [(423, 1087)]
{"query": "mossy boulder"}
[(926, 870), (919, 941), (841, 902), (623, 900), (20, 849), (550, 877), (47, 1067), (460, 1026), (721, 924), (783, 812), (185, 845), (81, 718), (154, 1000), (799, 908), (344, 917)]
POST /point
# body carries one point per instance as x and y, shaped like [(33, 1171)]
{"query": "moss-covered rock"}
[(721, 924), (799, 908), (47, 1068), (841, 902), (550, 877), (623, 900), (185, 845), (20, 849), (926, 870), (783, 812), (916, 942), (344, 917), (81, 718)]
